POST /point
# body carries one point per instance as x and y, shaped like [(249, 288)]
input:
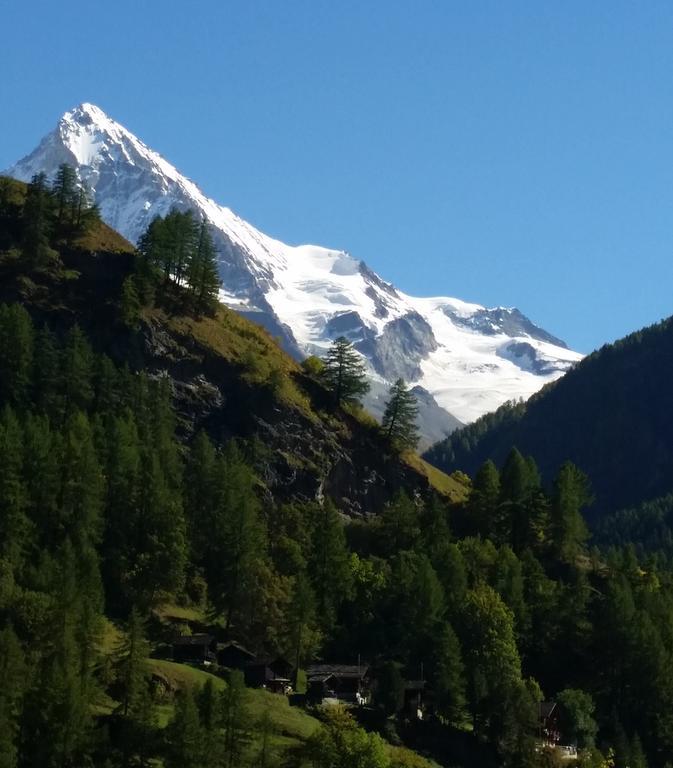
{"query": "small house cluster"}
[(274, 674), (325, 683), (350, 684)]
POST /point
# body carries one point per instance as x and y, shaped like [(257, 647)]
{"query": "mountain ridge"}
[(465, 359), (610, 416)]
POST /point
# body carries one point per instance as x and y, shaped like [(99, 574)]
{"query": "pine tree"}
[(435, 531), (17, 342), (344, 372), (571, 495), (400, 524), (237, 542), (137, 707), (160, 550), (131, 656), (57, 722), (484, 501), (519, 479), (76, 371), (46, 373), (234, 719), (447, 675), (66, 196), (399, 418), (452, 575), (184, 734), (328, 561), (202, 274), (183, 242), (129, 304), (201, 494), (301, 621), (36, 224)]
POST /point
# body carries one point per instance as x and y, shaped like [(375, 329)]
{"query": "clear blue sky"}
[(509, 153)]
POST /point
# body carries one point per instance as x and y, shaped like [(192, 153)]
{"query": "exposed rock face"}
[(398, 351), (511, 322)]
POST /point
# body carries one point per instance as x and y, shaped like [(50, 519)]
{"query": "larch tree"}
[(36, 223), (344, 372), (399, 418), (571, 495), (202, 275), (66, 194)]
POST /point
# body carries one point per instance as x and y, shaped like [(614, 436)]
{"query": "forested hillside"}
[(166, 472), (611, 415)]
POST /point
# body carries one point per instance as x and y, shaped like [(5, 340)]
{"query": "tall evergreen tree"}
[(399, 417), (400, 524), (184, 734), (36, 223), (202, 274), (17, 342), (571, 495), (234, 719), (484, 500), (301, 621), (447, 675), (76, 371), (66, 197), (344, 372), (237, 544), (137, 707), (328, 561)]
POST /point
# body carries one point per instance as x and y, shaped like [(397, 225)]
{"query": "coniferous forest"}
[(130, 517)]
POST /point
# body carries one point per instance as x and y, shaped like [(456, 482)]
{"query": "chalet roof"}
[(194, 640), (324, 671), (547, 708), (236, 646)]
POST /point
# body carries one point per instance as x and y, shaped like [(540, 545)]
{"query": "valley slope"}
[(611, 415)]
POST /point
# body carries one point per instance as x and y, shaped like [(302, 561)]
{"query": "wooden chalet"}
[(549, 729), (195, 649), (274, 674), (342, 682), (233, 655)]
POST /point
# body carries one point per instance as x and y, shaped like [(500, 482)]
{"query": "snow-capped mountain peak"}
[(466, 357)]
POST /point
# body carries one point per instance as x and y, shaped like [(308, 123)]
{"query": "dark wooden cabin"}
[(195, 649), (343, 682), (233, 655), (262, 674)]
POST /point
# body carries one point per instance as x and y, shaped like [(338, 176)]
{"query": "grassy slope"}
[(242, 342), (455, 486), (291, 725)]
